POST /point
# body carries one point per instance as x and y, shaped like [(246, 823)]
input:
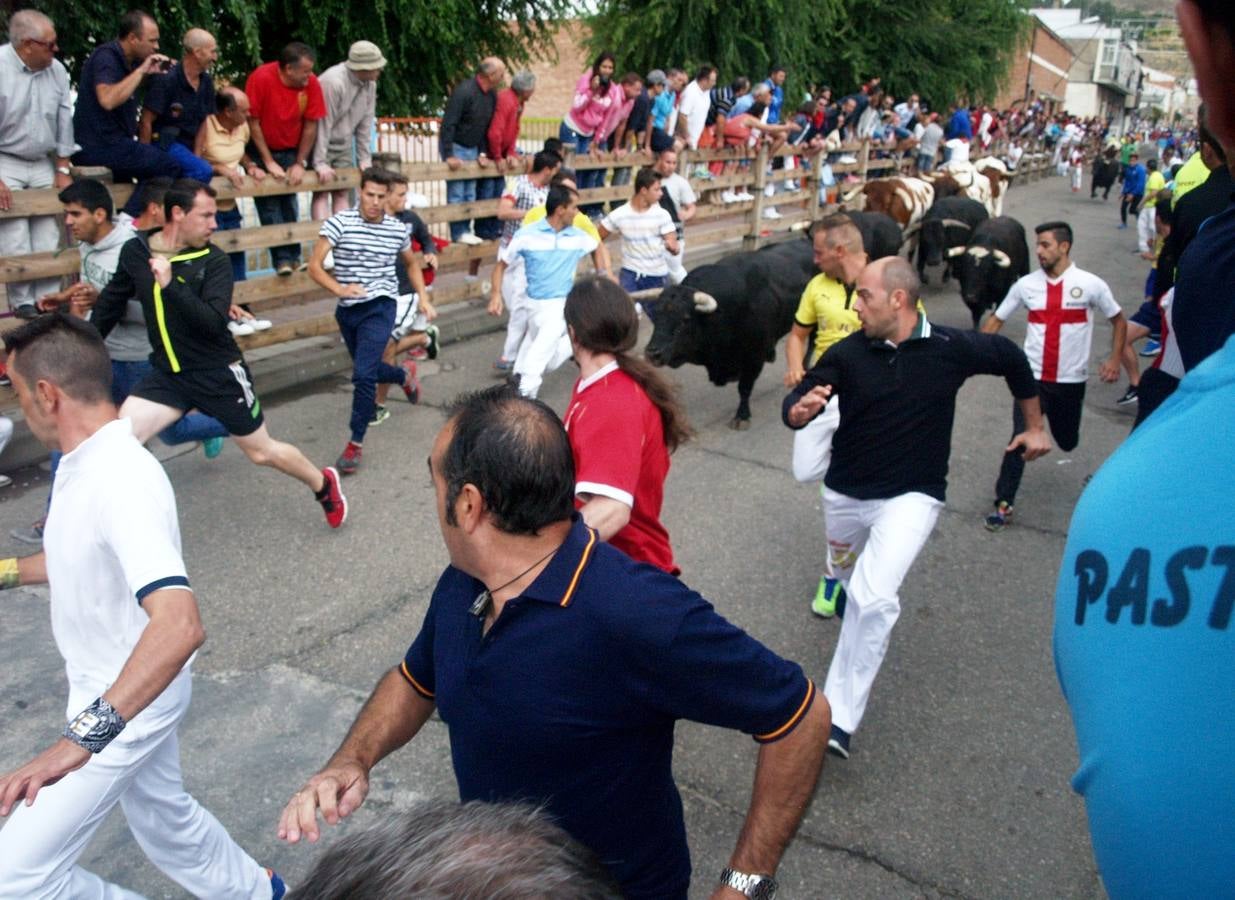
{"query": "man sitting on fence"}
[(177, 102), (223, 142)]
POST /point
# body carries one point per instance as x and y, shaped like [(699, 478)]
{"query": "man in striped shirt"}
[(647, 232), (367, 244)]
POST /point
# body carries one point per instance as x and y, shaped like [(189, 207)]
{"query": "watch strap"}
[(755, 886)]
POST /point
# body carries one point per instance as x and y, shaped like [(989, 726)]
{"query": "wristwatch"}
[(757, 887)]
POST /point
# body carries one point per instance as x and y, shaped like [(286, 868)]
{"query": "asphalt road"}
[(958, 784)]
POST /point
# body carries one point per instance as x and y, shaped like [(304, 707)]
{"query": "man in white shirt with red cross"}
[(1060, 298)]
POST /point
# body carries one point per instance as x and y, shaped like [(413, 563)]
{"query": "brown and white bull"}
[(963, 179), (906, 200)]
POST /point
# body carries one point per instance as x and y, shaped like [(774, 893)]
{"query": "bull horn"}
[(704, 303), (1002, 259), (955, 251), (978, 252)]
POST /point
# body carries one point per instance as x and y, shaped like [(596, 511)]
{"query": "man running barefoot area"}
[(126, 622), (897, 383), (550, 250), (1060, 298), (184, 283), (367, 244)]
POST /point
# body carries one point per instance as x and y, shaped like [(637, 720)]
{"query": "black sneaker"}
[(838, 742), (1002, 515), (1128, 397), (434, 335)]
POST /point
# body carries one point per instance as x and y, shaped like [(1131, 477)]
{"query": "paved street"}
[(959, 780)]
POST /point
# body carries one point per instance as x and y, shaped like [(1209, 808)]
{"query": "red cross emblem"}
[(1054, 317)]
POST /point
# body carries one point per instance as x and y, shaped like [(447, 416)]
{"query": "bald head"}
[(897, 274), (197, 38), (887, 299), (201, 51)]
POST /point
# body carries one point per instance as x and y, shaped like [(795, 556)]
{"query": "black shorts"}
[(225, 393), (1062, 404)]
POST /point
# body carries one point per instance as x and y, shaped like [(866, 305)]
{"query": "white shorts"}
[(408, 317)]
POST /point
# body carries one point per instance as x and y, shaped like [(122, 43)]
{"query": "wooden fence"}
[(300, 301)]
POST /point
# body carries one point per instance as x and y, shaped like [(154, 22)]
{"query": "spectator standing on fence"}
[(368, 244), (695, 105), (928, 143), (463, 139), (634, 132), (286, 105), (776, 85), (36, 141), (661, 96), (550, 249), (526, 192), (503, 134), (223, 142), (647, 232), (105, 120), (177, 102), (679, 200), (344, 135), (184, 283)]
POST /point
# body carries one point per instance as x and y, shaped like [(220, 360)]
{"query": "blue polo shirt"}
[(94, 126), (570, 700), (550, 257), (179, 108)]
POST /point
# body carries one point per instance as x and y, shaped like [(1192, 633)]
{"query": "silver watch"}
[(757, 887)]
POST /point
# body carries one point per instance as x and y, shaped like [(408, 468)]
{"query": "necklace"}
[(480, 606)]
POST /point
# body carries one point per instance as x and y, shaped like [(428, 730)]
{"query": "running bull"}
[(996, 257), (946, 231)]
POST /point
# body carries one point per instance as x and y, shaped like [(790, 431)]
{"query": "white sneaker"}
[(470, 239), (260, 324), (729, 197), (848, 159), (791, 186), (744, 195), (239, 329), (328, 262), (769, 190), (470, 279), (5, 481), (771, 213)]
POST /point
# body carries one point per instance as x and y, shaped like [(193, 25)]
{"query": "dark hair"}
[(632, 78), (1061, 230), (741, 83), (1151, 165), (545, 159), (1205, 136), (1220, 12), (1162, 209), (397, 177), (65, 351), (1175, 167), (704, 71), (646, 178), (499, 851), (515, 452), (375, 175), (558, 196), (153, 190), (183, 193), (224, 100), (604, 321), (131, 23), (294, 53), (605, 55), (89, 195), (774, 68), (553, 145), (561, 175)]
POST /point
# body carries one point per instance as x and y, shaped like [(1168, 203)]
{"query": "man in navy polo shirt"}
[(560, 667), (179, 101)]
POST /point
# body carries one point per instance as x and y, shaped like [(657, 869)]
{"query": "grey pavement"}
[(959, 781)]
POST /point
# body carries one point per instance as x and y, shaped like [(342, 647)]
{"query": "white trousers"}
[(1078, 173), (40, 844), (1145, 230), (545, 347), (677, 271), (514, 295), (36, 234), (871, 546)]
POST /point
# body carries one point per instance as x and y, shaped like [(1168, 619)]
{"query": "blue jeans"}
[(464, 190), (231, 220), (280, 210), (365, 328), (632, 281), (194, 166), (489, 227), (588, 178)]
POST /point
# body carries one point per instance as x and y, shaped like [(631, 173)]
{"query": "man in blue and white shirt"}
[(367, 244), (550, 249)]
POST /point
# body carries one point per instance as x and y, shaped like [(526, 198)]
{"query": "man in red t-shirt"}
[(285, 104)]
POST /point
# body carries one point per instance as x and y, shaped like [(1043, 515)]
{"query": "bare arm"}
[(687, 212), (1034, 438), (319, 274), (258, 137), (992, 324), (18, 571), (391, 717), (111, 96), (785, 779), (411, 259), (506, 211), (606, 515), (795, 354), (1109, 371), (495, 293)]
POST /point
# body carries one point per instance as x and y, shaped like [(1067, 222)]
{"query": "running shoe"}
[(417, 353), (1128, 397), (380, 415), (838, 742), (1151, 348), (278, 888), (1002, 515), (260, 324), (334, 504), (827, 595), (30, 535), (435, 335), (470, 239), (349, 460), (240, 328), (411, 384), (212, 447), (5, 481), (285, 269)]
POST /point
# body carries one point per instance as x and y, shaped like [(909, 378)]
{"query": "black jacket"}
[(897, 405), (187, 320), (466, 119)]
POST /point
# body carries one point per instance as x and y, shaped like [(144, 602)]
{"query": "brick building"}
[(1040, 70)]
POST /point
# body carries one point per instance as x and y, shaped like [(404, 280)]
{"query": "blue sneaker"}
[(277, 886), (1151, 348), (212, 447), (838, 742)]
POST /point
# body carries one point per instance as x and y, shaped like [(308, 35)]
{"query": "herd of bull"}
[(729, 316)]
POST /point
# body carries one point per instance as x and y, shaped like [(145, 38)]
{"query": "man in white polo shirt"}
[(126, 622), (647, 231), (550, 250), (367, 243), (1060, 298)]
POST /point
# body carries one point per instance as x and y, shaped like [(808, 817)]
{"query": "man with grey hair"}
[(36, 141), (177, 102), (464, 138), (439, 849), (897, 382), (503, 134), (350, 91)]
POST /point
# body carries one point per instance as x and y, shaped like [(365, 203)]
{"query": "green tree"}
[(942, 49), (430, 45)]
